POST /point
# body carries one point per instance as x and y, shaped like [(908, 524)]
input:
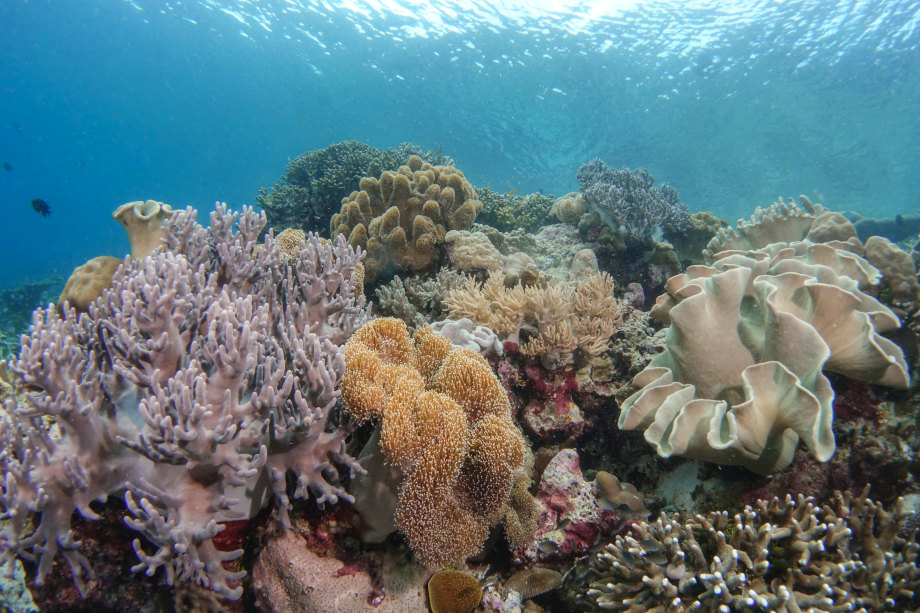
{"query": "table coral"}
[(203, 378), (445, 421), (402, 218)]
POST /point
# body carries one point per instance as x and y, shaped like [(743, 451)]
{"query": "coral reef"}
[(402, 218), (192, 389), (569, 208), (509, 212), (445, 422), (314, 183), (628, 201), (785, 555), (741, 380)]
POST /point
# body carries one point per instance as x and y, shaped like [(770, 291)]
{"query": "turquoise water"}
[(734, 104)]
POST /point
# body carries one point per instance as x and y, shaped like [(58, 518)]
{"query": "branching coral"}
[(566, 318), (786, 555), (741, 381), (402, 218), (445, 422), (628, 201), (204, 376)]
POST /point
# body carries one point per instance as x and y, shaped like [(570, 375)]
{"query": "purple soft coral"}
[(206, 373)]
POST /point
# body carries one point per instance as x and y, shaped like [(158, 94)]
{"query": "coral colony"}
[(515, 426)]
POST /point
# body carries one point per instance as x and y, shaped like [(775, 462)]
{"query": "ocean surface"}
[(190, 102)]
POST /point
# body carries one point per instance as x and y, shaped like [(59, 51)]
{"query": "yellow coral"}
[(402, 217), (446, 423)]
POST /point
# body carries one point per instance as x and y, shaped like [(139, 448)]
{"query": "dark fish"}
[(41, 207), (7, 166)]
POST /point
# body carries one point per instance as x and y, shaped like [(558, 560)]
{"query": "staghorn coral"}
[(785, 555), (740, 380), (628, 201), (445, 422), (191, 389), (402, 218)]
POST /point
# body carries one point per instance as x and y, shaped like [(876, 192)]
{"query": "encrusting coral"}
[(192, 389), (445, 422), (402, 218), (785, 555), (741, 381)]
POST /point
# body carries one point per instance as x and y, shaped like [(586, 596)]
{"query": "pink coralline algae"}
[(571, 517), (190, 389), (550, 411)]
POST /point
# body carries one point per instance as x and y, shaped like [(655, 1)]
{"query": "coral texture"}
[(628, 201), (741, 381), (786, 555), (198, 382), (445, 422), (568, 321), (87, 282), (402, 218)]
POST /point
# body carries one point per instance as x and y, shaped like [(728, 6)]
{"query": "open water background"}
[(733, 103)]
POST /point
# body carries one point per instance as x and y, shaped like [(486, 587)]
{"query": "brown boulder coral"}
[(402, 218), (445, 422)]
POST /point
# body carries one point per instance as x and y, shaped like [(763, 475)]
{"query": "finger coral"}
[(445, 422), (402, 218), (784, 555), (192, 389)]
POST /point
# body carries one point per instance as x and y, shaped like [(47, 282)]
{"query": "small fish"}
[(511, 192), (489, 186), (41, 207), (7, 166)]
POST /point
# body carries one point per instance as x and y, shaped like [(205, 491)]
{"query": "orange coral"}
[(445, 421)]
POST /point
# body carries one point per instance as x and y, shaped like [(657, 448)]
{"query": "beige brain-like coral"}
[(445, 422), (401, 218), (741, 380)]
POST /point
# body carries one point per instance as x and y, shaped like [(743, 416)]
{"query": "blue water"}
[(734, 104)]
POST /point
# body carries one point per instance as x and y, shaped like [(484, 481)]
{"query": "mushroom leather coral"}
[(741, 380), (445, 422), (402, 218)]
